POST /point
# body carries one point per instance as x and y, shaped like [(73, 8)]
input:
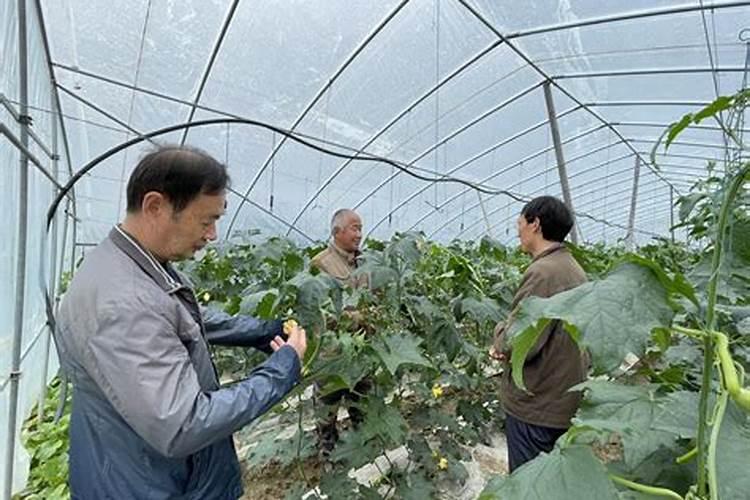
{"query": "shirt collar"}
[(144, 259)]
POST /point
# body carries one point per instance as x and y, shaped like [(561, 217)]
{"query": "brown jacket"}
[(555, 363), (340, 265)]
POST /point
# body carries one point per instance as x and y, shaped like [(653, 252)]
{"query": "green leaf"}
[(414, 486), (721, 103), (678, 413), (676, 128), (338, 486), (354, 450), (611, 317), (444, 337), (571, 473), (687, 203), (312, 294), (256, 303), (384, 421), (491, 247), (483, 310), (677, 285), (631, 412), (271, 448), (405, 248), (732, 454), (399, 349)]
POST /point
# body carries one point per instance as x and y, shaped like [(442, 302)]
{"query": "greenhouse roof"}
[(444, 89)]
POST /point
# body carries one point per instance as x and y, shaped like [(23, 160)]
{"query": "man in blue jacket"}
[(149, 418)]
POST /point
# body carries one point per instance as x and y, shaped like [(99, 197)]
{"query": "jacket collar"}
[(144, 259), (554, 248), (349, 257)]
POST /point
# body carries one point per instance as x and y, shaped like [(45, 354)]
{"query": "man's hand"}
[(297, 338)]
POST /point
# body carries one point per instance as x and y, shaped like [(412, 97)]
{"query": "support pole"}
[(52, 281), (630, 235), (560, 158), (20, 278)]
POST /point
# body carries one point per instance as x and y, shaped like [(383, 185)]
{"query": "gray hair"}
[(337, 221)]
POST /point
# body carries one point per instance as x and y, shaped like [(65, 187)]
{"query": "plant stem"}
[(690, 332), (708, 348), (687, 456), (649, 490), (721, 406), (301, 467)]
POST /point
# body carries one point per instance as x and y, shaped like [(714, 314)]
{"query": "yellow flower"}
[(443, 463), (206, 297), (437, 391), (289, 325)]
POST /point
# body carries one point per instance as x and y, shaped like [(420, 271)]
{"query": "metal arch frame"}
[(587, 210), (464, 163), (649, 204), (647, 72), (585, 207), (687, 157), (645, 13), (542, 73), (680, 9), (33, 135), (652, 102), (599, 205), (517, 183), (481, 155), (654, 140), (24, 150), (551, 169), (623, 191), (102, 112), (600, 20), (20, 285), (686, 170), (488, 178), (424, 153), (176, 100), (147, 137), (358, 50), (210, 64), (663, 126), (563, 26)]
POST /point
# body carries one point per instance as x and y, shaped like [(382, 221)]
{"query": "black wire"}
[(291, 135), (405, 168)]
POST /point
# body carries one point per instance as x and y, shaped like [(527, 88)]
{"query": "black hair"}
[(554, 217), (180, 173)]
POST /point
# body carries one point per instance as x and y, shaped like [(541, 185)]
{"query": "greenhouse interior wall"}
[(465, 91)]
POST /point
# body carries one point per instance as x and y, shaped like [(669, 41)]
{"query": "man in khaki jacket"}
[(339, 261), (535, 419)]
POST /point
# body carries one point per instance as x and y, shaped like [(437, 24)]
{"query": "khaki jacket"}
[(555, 363), (340, 265)]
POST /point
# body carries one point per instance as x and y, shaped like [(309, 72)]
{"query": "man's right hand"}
[(297, 338)]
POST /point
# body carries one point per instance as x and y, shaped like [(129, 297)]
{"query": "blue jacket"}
[(149, 419)]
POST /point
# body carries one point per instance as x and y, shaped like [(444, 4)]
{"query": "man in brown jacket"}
[(339, 261), (535, 419)]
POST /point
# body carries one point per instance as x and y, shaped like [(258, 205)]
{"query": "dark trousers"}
[(327, 429), (526, 441)]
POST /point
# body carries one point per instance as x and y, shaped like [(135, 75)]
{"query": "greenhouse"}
[(450, 136)]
